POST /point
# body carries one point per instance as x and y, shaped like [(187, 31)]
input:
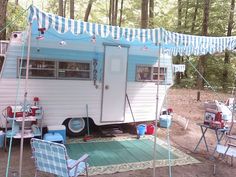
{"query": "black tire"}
[(73, 123)]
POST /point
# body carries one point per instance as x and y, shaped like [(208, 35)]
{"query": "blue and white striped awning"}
[(184, 44), (77, 27), (170, 42)]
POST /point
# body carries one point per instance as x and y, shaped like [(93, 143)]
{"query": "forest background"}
[(196, 17)]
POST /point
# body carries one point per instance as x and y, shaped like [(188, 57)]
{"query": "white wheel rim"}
[(76, 125)]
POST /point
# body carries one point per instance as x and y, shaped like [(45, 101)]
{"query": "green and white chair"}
[(52, 158)]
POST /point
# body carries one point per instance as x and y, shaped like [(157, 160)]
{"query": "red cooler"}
[(150, 129)]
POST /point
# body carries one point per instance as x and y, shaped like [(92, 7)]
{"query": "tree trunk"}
[(3, 16), (179, 24), (229, 33), (186, 15), (110, 12), (194, 16), (205, 18), (64, 8), (88, 10), (182, 75), (16, 2), (202, 59), (179, 15), (151, 14), (72, 9), (121, 11), (60, 11), (144, 14), (3, 13), (114, 12)]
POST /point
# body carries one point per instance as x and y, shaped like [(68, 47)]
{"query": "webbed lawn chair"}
[(227, 150), (52, 158)]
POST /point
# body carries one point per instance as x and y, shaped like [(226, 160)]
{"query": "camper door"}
[(114, 83)]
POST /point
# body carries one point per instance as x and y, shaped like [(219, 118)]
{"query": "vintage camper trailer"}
[(68, 72), (75, 63)]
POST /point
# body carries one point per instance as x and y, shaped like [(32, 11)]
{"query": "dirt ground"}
[(184, 104)]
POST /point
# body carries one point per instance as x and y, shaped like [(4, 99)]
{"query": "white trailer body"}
[(111, 70)]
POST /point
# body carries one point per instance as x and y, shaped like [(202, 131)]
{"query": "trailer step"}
[(111, 131)]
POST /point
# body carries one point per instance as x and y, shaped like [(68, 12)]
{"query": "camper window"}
[(39, 68), (148, 73), (74, 70), (56, 69), (162, 73), (143, 73)]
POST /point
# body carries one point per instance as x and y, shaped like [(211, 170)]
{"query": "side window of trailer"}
[(150, 73), (163, 72), (55, 69), (74, 70), (38, 68)]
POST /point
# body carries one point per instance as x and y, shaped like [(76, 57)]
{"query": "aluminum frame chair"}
[(227, 150), (52, 158)]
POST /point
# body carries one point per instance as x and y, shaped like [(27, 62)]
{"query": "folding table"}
[(219, 132)]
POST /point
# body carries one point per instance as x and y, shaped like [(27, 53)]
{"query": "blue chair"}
[(52, 158)]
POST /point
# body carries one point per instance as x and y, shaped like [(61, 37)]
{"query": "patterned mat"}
[(120, 154)]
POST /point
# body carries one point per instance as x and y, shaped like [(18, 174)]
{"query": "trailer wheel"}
[(75, 126)]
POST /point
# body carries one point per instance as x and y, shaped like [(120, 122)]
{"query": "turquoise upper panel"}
[(68, 47), (10, 68), (71, 55)]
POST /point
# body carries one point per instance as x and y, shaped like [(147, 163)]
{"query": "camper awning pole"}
[(25, 98), (157, 108)]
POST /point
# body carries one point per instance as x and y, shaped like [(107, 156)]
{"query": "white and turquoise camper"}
[(72, 64), (68, 72), (79, 72)]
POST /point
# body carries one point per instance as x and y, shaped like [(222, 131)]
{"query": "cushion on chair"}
[(80, 169)]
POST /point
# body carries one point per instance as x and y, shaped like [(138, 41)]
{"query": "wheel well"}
[(92, 127), (67, 119), (91, 122)]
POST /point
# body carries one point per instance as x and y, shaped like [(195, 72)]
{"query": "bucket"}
[(141, 129), (1, 139), (150, 129)]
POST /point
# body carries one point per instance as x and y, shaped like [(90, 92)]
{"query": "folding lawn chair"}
[(52, 158), (227, 150)]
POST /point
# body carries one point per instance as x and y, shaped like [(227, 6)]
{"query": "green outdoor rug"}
[(110, 155)]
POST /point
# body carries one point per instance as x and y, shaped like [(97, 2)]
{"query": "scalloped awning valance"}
[(171, 43)]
